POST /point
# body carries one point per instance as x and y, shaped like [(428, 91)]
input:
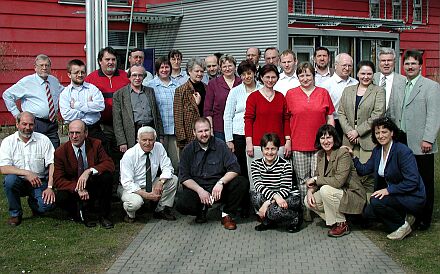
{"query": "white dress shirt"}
[(286, 82), (335, 86), (321, 78), (133, 173), (35, 155), (31, 90), (389, 83), (88, 103)]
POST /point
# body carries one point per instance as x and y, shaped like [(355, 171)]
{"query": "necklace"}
[(268, 97)]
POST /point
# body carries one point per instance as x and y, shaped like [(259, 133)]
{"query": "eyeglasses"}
[(135, 75)]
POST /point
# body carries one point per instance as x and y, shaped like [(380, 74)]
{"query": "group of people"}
[(278, 140)]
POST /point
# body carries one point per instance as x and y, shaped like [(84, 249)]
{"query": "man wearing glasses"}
[(134, 106), (82, 100), (338, 82), (39, 94)]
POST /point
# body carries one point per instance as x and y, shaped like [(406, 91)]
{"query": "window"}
[(300, 6), (118, 39), (397, 9), (417, 14), (374, 8)]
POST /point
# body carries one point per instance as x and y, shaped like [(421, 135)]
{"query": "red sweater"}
[(108, 86), (262, 116)]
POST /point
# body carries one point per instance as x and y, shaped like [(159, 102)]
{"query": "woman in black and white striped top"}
[(275, 198)]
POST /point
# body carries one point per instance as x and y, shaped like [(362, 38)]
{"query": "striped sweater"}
[(273, 179)]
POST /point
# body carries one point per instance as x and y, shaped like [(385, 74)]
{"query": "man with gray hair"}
[(338, 82), (386, 77), (27, 161), (39, 94), (140, 180)]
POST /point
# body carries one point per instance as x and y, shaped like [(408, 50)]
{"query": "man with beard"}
[(321, 57), (209, 173), (39, 95), (82, 100), (288, 78), (26, 160)]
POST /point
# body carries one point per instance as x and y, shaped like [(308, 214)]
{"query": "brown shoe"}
[(14, 221), (339, 230), (229, 223)]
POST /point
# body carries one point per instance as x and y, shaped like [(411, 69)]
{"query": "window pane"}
[(303, 41), (330, 41), (299, 6)]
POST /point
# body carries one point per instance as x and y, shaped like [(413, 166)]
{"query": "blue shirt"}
[(181, 78), (31, 90), (164, 100), (87, 101)]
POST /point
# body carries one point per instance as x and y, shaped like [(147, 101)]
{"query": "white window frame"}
[(417, 5), (374, 4)]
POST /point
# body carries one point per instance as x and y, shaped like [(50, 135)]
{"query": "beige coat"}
[(341, 174), (372, 106)]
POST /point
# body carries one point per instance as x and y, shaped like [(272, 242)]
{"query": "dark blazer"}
[(401, 174), (123, 120), (186, 111), (371, 106), (341, 174), (65, 175)]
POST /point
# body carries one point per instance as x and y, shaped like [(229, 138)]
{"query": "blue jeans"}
[(16, 187)]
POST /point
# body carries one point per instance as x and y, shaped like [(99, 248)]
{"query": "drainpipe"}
[(90, 49), (129, 33)]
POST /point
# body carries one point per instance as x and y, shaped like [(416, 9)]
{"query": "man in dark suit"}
[(134, 106), (83, 176), (415, 109), (386, 77)]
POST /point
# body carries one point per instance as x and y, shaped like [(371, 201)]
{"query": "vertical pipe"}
[(90, 49), (129, 33), (98, 31), (104, 21)]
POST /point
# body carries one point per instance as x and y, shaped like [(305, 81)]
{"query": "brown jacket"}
[(341, 174), (185, 113)]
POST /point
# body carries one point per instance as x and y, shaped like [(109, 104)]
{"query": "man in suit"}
[(134, 106), (83, 175), (415, 109), (386, 77)]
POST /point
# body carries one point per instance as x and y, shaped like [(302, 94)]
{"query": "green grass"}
[(52, 244), (420, 252)]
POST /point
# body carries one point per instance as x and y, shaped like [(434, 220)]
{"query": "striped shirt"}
[(273, 179), (165, 100)]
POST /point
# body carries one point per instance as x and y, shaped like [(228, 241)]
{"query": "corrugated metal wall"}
[(211, 26)]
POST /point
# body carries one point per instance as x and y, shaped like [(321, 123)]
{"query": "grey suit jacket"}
[(399, 82), (372, 106), (123, 120), (422, 113)]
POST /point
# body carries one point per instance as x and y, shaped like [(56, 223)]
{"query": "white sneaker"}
[(410, 219), (401, 232)]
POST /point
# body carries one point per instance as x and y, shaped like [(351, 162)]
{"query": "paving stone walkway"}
[(186, 247)]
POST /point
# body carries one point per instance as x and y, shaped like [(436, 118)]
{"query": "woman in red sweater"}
[(266, 112)]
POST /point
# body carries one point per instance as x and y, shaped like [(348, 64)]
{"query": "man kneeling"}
[(209, 173), (139, 166)]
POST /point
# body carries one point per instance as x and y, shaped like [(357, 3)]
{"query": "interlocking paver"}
[(185, 247)]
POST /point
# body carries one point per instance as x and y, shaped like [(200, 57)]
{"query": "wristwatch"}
[(50, 187), (220, 182)]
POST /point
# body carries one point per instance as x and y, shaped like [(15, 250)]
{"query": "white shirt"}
[(286, 82), (88, 103), (133, 175), (383, 161), (35, 155), (235, 107), (389, 81), (335, 86), (321, 78), (32, 92)]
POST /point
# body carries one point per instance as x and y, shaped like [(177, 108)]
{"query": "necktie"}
[(80, 163), (383, 83), (50, 102), (408, 89), (148, 179)]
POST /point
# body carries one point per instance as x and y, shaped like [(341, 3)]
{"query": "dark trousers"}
[(100, 191), (240, 152), (339, 129), (425, 165), (48, 128), (387, 210), (188, 202), (96, 132)]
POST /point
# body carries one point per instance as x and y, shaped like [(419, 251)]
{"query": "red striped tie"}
[(50, 101)]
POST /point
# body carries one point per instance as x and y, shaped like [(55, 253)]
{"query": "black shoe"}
[(89, 223), (106, 223), (164, 214), (244, 214), (293, 228), (201, 217), (128, 219), (423, 226), (265, 225)]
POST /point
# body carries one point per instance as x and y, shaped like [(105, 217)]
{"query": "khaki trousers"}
[(327, 200)]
